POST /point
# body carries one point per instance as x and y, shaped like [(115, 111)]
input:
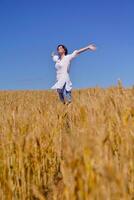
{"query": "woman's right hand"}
[(52, 54)]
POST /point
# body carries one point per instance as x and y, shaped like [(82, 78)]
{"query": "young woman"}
[(63, 61)]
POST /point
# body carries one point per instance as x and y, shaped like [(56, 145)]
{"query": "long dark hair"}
[(64, 47)]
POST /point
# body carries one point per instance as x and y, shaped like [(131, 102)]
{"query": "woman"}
[(63, 61)]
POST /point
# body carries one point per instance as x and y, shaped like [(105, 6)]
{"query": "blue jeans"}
[(64, 94)]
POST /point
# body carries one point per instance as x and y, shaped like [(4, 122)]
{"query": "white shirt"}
[(62, 71)]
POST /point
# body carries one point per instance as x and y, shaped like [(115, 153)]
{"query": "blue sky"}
[(30, 30)]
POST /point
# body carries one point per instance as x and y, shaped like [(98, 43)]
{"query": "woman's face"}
[(60, 50)]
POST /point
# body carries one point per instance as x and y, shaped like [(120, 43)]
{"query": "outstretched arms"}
[(75, 53), (91, 47)]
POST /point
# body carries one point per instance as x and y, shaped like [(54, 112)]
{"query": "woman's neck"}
[(62, 56)]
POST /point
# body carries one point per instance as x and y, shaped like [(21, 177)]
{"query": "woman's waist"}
[(62, 74)]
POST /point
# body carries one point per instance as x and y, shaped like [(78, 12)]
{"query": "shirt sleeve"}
[(55, 58), (73, 55)]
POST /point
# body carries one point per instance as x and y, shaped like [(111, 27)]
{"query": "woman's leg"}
[(68, 96), (61, 94)]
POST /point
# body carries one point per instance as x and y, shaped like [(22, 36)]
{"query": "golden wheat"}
[(83, 151)]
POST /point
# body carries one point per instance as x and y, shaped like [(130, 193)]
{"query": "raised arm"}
[(54, 57), (91, 47)]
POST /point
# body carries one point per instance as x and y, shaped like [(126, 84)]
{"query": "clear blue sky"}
[(30, 30)]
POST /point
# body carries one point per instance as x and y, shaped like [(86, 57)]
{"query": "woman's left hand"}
[(92, 47)]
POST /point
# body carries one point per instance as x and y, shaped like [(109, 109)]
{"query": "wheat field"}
[(83, 151)]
